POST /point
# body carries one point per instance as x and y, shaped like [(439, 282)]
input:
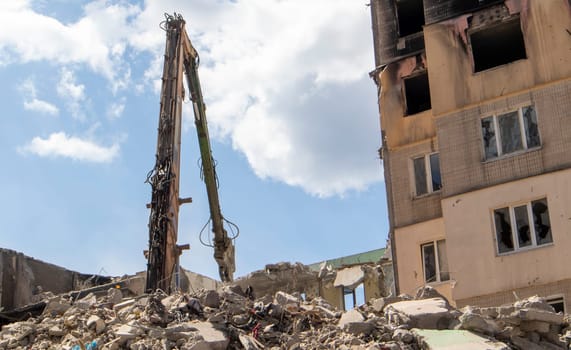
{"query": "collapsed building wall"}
[(331, 282), (23, 277), (23, 280)]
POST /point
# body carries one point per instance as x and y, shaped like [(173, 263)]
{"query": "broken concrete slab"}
[(455, 340), (353, 322), (349, 277), (475, 322), (431, 313), (212, 338), (539, 315)]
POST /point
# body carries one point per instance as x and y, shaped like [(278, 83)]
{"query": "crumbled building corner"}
[(231, 319)]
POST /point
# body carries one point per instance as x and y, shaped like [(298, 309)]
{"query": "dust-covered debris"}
[(230, 319)]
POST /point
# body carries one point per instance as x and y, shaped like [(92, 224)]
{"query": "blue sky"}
[(292, 115)]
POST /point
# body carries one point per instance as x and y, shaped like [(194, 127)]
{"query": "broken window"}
[(525, 234), (427, 177), (558, 304), (435, 262), (410, 14), (503, 230), (417, 93), (497, 44), (517, 131)]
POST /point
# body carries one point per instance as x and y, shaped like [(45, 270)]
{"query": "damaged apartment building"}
[(475, 109)]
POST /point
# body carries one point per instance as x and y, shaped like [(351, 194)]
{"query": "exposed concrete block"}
[(539, 315), (95, 323), (455, 340), (212, 338), (353, 322), (535, 326), (285, 299), (427, 313), (474, 322), (349, 277), (211, 299)]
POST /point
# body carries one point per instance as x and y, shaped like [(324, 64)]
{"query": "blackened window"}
[(410, 14), (417, 93), (497, 44)]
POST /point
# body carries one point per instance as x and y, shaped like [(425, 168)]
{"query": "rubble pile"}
[(232, 319)]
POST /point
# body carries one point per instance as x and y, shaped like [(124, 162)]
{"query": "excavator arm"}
[(180, 59), (223, 246)]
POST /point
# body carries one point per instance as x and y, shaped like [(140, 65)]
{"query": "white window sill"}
[(439, 283), (526, 249), (426, 194), (513, 154)]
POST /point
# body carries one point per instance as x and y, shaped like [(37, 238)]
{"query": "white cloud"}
[(32, 103), (285, 81), (116, 109), (98, 39), (73, 93), (41, 106), (68, 88), (60, 145)]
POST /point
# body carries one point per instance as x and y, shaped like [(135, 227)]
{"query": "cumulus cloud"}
[(98, 39), (40, 106), (72, 93), (284, 81), (34, 104), (61, 145)]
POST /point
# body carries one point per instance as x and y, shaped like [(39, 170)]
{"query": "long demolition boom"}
[(180, 58)]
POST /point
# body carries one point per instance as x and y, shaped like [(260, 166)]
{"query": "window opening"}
[(417, 93), (353, 297), (410, 14), (498, 44), (518, 131), (427, 178), (558, 303), (435, 262), (520, 217)]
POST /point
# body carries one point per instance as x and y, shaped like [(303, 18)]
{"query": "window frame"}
[(513, 226), (427, 175), (555, 299), (438, 272), (523, 133)]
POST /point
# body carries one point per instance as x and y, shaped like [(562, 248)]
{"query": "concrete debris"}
[(230, 319)]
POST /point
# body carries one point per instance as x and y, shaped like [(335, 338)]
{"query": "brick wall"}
[(408, 208), (460, 141)]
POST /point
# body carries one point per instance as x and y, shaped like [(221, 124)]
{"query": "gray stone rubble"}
[(229, 319)]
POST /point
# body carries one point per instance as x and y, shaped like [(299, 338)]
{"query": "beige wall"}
[(548, 290), (453, 83), (409, 260), (476, 267), (409, 209), (401, 130)]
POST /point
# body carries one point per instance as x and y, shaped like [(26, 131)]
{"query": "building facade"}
[(475, 109)]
